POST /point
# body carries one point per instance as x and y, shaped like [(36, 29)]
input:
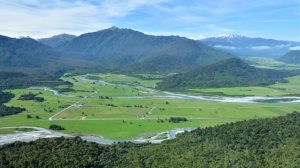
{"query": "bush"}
[(178, 119), (56, 127), (31, 96), (5, 111)]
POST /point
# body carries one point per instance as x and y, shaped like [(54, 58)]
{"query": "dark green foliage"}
[(28, 116), (5, 111), (31, 96), (5, 97), (67, 89), (24, 52), (229, 73), (130, 50), (7, 75), (273, 142), (177, 119), (25, 62), (292, 57), (56, 127)]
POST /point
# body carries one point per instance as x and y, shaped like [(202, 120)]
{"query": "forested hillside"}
[(25, 62), (4, 110), (131, 50), (292, 57), (273, 142), (229, 73), (24, 52)]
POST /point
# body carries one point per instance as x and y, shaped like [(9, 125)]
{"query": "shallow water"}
[(45, 133), (227, 99)]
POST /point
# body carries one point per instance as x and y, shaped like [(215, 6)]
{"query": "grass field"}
[(102, 109), (271, 63), (281, 89), (13, 130)]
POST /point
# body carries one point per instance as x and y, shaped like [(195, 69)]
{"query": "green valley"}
[(124, 109)]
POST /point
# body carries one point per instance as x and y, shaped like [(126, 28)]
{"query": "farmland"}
[(125, 109)]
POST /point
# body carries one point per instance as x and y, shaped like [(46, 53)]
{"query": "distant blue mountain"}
[(56, 40), (246, 46)]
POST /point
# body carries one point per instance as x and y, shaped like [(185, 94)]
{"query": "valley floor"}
[(103, 105)]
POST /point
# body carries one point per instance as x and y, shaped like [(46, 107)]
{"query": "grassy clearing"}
[(14, 130), (124, 79), (282, 89), (127, 118), (271, 63)]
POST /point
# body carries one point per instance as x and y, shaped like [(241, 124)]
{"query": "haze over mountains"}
[(122, 50), (247, 46), (57, 40)]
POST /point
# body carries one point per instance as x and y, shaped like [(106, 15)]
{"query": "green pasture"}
[(280, 89), (125, 118), (271, 63)]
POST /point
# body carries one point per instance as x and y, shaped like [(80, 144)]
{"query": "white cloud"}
[(44, 18), (225, 47), (261, 48), (294, 48), (282, 46)]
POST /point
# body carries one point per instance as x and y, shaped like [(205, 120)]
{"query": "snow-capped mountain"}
[(248, 46)]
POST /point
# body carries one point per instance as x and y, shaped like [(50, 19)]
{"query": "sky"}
[(196, 19)]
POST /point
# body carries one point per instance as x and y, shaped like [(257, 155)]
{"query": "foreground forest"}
[(273, 142)]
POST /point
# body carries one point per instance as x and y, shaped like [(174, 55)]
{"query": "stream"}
[(38, 133), (154, 138)]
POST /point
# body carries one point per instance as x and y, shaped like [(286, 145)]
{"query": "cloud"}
[(294, 48), (276, 21), (41, 18), (225, 47), (261, 48), (44, 18)]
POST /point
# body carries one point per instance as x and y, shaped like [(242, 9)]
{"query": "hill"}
[(132, 50), (24, 52), (272, 142), (292, 57), (56, 40), (247, 46), (229, 73), (26, 62)]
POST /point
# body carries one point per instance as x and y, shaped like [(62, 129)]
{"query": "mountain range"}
[(25, 61), (25, 52), (247, 46), (113, 49), (56, 40), (133, 50)]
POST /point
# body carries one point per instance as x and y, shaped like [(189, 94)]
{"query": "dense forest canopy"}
[(131, 50), (273, 142), (292, 57), (4, 110), (229, 73)]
